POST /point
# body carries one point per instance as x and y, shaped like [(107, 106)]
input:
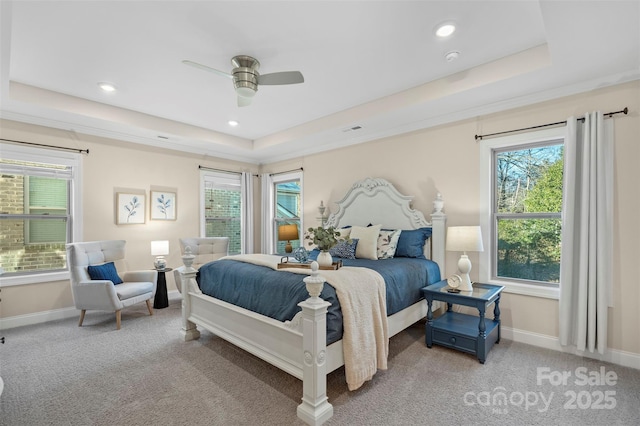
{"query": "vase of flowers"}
[(324, 239)]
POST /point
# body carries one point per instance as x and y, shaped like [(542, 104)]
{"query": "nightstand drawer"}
[(456, 341)]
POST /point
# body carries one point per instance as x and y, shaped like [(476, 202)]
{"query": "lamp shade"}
[(464, 238), (288, 232), (159, 248)]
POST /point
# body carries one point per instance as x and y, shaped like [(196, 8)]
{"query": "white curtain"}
[(586, 271), (267, 213), (247, 212)]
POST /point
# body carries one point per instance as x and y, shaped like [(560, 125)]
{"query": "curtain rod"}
[(625, 111), (47, 146), (219, 170), (239, 173), (287, 171)]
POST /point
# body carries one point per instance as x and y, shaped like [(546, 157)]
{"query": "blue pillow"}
[(411, 243), (344, 249), (106, 271)]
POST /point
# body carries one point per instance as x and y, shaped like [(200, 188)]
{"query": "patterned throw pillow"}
[(344, 249), (387, 243)]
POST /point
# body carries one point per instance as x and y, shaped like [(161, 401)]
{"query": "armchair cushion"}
[(106, 271), (133, 289)]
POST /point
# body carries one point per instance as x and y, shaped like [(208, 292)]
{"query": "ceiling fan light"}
[(245, 92)]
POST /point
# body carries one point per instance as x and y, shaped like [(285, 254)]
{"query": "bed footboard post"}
[(189, 329), (315, 408)]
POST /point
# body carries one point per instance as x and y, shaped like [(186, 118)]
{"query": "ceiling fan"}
[(246, 77)]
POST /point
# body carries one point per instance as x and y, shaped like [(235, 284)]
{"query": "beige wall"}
[(443, 159), (446, 159), (110, 165)]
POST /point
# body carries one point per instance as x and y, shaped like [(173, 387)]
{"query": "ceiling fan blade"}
[(243, 102), (285, 77), (206, 68)]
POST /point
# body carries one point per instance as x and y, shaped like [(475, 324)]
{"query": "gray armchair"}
[(103, 294), (204, 249)]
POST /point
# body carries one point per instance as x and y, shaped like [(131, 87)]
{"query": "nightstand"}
[(467, 333), (161, 300)]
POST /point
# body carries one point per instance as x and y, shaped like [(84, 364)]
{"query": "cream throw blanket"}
[(363, 301)]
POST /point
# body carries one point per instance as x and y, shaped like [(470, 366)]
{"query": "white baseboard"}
[(38, 317), (45, 316), (614, 356)]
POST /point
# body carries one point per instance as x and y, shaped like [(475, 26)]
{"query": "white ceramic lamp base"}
[(464, 266)]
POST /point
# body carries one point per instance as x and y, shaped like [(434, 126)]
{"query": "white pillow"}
[(367, 247), (344, 233)]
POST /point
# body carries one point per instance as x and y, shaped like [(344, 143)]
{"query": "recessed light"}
[(107, 87), (445, 29), (233, 123)]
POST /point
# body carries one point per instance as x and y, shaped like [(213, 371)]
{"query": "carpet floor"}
[(60, 374)]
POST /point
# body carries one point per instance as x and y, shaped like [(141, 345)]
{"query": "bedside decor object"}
[(160, 249), (464, 239), (324, 239), (287, 233), (301, 254), (454, 282)]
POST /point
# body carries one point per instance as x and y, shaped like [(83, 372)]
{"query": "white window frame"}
[(270, 221), (56, 157), (230, 179), (487, 257)]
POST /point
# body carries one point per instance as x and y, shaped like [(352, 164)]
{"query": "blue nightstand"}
[(468, 333)]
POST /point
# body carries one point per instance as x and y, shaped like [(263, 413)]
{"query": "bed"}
[(299, 346)]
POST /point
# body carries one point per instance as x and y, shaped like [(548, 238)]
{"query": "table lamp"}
[(464, 239), (288, 233), (160, 249)]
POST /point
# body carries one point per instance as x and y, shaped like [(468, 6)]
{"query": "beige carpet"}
[(60, 374)]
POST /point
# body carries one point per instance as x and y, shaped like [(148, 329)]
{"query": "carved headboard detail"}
[(377, 201)]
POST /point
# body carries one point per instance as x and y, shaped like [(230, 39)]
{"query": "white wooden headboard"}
[(377, 201)]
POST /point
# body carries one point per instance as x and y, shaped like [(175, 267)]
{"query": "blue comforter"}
[(276, 294)]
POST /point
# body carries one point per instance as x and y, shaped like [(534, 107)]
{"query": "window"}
[(287, 210), (39, 212), (222, 201), (282, 205), (524, 211), (47, 197)]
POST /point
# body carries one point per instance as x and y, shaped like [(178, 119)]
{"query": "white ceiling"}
[(374, 64)]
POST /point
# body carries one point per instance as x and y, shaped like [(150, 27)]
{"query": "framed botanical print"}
[(163, 205), (130, 208)]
